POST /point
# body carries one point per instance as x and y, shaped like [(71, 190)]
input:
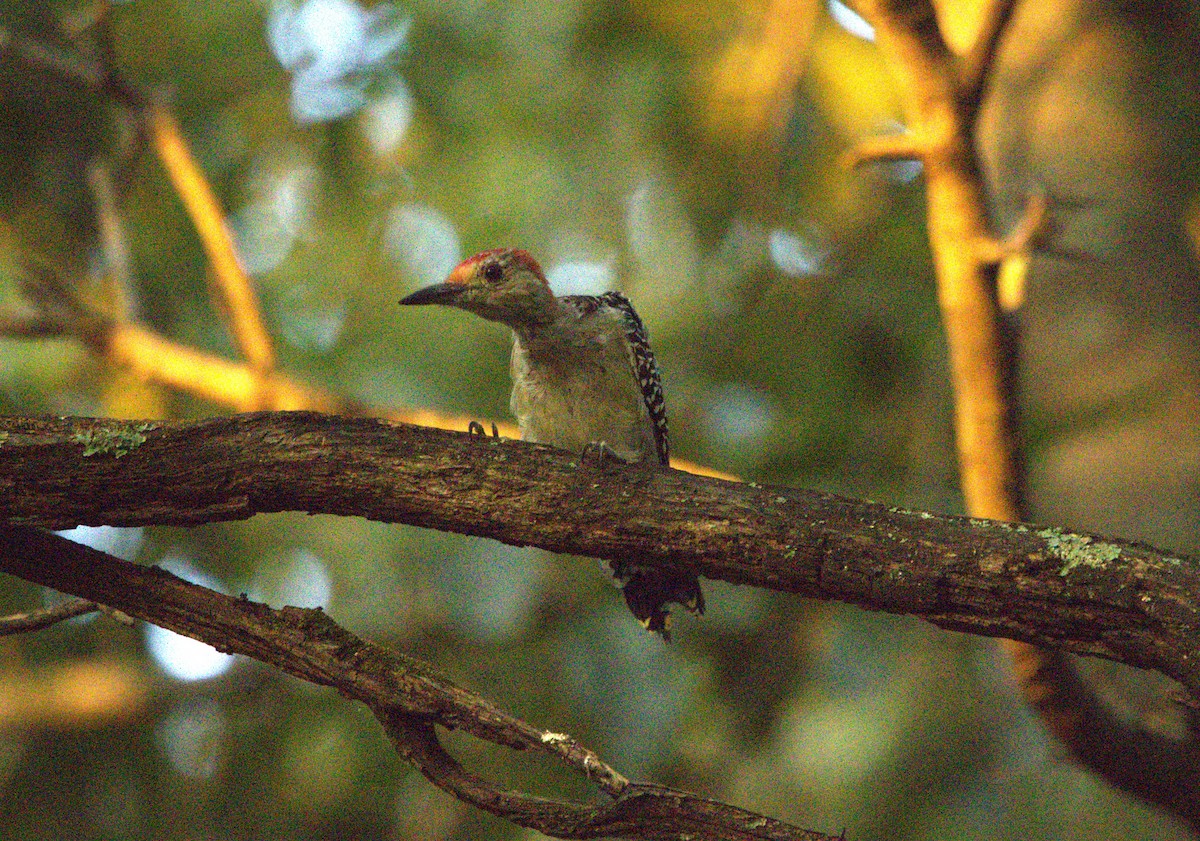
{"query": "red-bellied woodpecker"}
[(583, 377)]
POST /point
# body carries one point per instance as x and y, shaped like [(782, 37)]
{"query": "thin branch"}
[(69, 65), (408, 697), (114, 244), (50, 308), (236, 296), (640, 811), (36, 620), (1082, 593), (25, 323), (976, 66), (1024, 235), (883, 148), (1157, 769)]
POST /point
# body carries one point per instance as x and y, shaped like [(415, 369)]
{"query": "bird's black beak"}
[(439, 293)]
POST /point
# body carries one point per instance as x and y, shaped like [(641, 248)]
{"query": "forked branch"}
[(407, 697)]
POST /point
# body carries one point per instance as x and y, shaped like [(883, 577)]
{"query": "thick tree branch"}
[(939, 120), (941, 102), (1080, 593), (408, 697), (1154, 767)]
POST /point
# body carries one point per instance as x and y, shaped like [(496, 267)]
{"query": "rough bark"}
[(1076, 592)]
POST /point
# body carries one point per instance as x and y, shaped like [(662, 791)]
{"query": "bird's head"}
[(504, 284)]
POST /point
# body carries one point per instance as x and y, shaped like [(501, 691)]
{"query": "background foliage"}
[(685, 153)]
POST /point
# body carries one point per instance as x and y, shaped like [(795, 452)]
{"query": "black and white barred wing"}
[(645, 369), (641, 359)]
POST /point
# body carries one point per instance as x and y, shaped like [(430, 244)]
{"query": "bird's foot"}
[(476, 428), (599, 454)]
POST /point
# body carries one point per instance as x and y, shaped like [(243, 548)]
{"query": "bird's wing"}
[(645, 369)]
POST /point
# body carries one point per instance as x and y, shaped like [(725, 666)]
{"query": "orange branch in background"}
[(238, 386), (927, 76), (941, 98), (152, 357), (240, 303)]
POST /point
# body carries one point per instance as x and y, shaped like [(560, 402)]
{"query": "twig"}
[(69, 65), (408, 697), (640, 811), (1022, 237), (28, 323), (113, 242), (884, 148), (52, 308), (36, 620)]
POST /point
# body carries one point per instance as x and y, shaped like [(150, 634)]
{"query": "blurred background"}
[(685, 153)]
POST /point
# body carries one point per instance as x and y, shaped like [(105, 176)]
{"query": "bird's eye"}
[(493, 272)]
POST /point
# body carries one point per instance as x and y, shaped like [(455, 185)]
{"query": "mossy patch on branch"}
[(114, 441), (1076, 550)]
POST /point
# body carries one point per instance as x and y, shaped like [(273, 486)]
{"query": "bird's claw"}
[(599, 453), (476, 428)]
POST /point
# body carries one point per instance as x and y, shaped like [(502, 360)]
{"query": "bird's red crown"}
[(511, 256)]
